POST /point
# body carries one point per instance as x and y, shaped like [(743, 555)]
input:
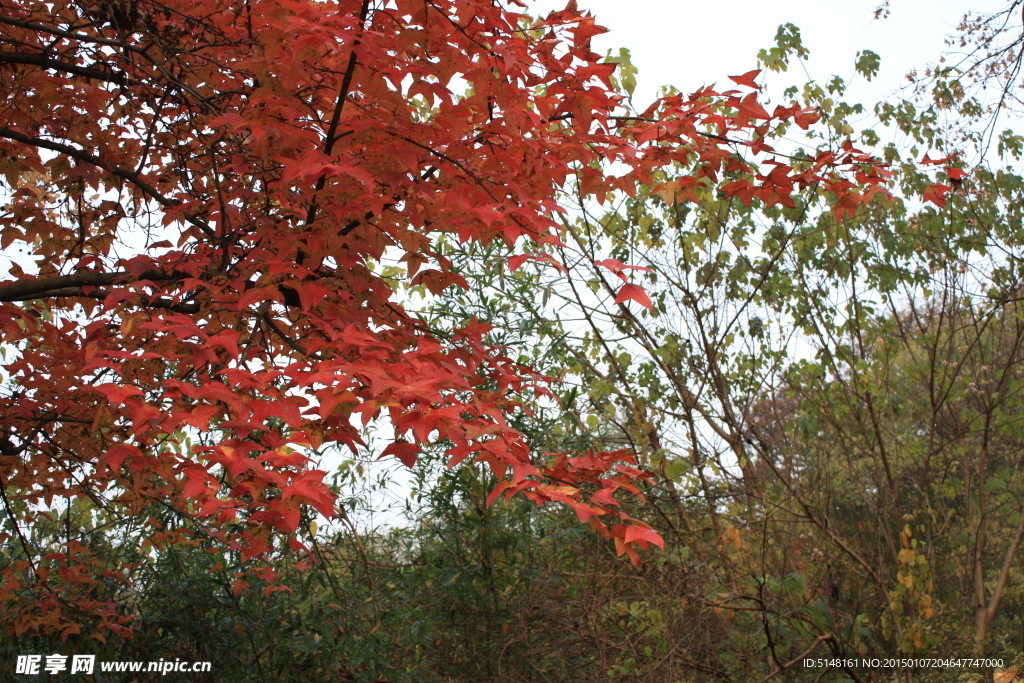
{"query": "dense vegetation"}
[(827, 392)]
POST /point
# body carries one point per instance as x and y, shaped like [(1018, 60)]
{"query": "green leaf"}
[(867, 64), (675, 468)]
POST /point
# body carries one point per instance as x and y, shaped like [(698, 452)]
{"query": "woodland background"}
[(830, 403)]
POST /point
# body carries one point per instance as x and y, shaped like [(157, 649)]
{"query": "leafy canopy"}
[(197, 194)]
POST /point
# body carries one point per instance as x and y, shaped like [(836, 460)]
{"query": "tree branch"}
[(1004, 574), (332, 128), (57, 65), (26, 290)]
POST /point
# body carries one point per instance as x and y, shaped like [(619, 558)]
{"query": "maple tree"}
[(197, 195)]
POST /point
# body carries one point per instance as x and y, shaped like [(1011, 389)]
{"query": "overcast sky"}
[(687, 43)]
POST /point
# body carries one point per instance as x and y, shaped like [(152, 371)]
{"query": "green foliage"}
[(788, 44), (624, 79), (868, 64)]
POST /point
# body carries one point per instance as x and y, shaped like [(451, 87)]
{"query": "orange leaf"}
[(515, 262), (928, 161), (747, 79), (639, 534), (936, 194), (406, 452), (631, 292)]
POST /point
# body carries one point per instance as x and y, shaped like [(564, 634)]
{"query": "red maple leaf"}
[(747, 79), (936, 194), (631, 292), (406, 452)]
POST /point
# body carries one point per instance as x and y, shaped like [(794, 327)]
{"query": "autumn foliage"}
[(196, 195)]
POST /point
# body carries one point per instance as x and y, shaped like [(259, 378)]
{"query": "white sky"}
[(689, 44)]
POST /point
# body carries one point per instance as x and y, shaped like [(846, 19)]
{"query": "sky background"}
[(689, 44)]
